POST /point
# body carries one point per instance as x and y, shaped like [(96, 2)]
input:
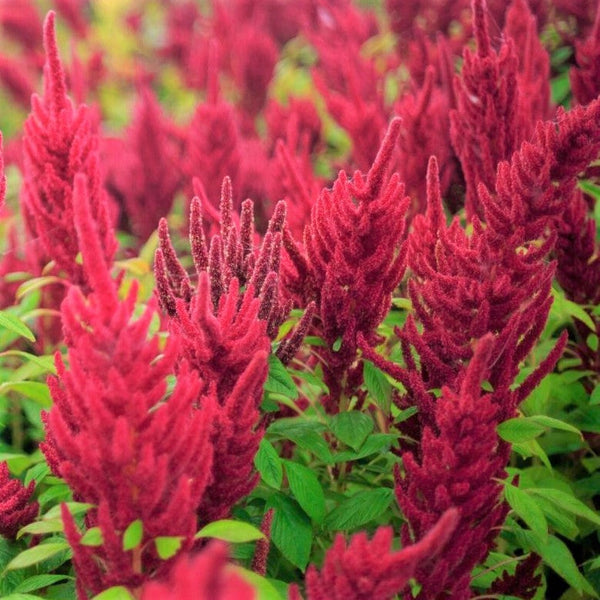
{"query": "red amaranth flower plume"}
[(16, 508), (61, 141), (17, 79), (462, 287), (349, 81), (143, 173), (425, 131), (353, 258), (213, 138), (204, 576), (20, 20), (114, 434), (460, 462), (533, 76), (253, 65), (224, 333), (368, 569), (585, 76), (535, 186), (485, 124), (228, 347), (227, 256)]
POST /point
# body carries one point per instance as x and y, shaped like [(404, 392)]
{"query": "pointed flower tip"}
[(393, 131), (432, 167), (480, 26)]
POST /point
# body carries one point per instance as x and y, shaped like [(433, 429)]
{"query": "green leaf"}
[(41, 527), (304, 433), (403, 303), (595, 396), (235, 532), (75, 508), (14, 324), (40, 581), (46, 363), (291, 530), (60, 492), (519, 430), (314, 443), (132, 537), (19, 596), (35, 555), (533, 448), (36, 391), (351, 427), (567, 502), (279, 380), (553, 423), (376, 443), (306, 489), (92, 537), (168, 546), (527, 509), (377, 385), (264, 588), (268, 464), (359, 509), (337, 345), (36, 473), (34, 284), (310, 378), (572, 309), (313, 340), (114, 593)]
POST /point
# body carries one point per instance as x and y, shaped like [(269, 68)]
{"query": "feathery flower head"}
[(16, 508), (353, 257), (120, 441), (368, 570), (61, 141)]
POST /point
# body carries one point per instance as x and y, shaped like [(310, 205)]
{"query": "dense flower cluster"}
[(337, 158), (59, 142), (114, 434), (16, 508), (366, 569), (353, 259)]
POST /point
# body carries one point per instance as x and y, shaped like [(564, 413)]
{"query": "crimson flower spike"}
[(425, 131), (485, 125), (59, 142), (353, 258), (585, 76), (460, 463), (213, 140), (116, 382), (458, 297), (228, 347), (368, 569), (226, 256), (535, 186), (144, 174), (16, 508)]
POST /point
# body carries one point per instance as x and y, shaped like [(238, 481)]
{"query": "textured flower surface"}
[(60, 141), (16, 508), (367, 569), (114, 433)]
